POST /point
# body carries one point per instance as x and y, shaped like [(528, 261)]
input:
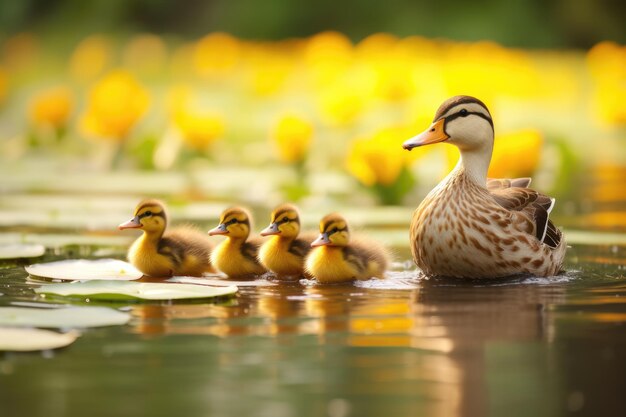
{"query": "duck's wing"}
[(534, 204), (250, 249), (502, 183), (172, 249), (300, 247)]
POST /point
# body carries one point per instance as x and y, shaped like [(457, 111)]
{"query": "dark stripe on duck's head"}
[(333, 221), (455, 101), (235, 215), (285, 209), (150, 207), (460, 107)]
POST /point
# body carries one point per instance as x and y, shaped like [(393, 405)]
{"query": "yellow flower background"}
[(322, 103)]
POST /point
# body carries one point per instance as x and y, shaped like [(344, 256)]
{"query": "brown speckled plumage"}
[(469, 226)]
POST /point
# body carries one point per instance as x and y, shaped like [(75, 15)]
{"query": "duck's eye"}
[(463, 112), (335, 230), (232, 221), (285, 220), (148, 213)]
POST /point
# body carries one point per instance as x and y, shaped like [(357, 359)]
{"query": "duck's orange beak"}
[(322, 240), (435, 133), (272, 229), (219, 230), (133, 223)]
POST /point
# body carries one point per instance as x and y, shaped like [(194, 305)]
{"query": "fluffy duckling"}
[(284, 252), (236, 256), (161, 253), (336, 258), (475, 227)]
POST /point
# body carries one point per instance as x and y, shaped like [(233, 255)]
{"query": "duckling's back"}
[(189, 248)]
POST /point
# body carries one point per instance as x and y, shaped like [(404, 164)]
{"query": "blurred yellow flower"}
[(90, 57), (51, 108), (199, 128), (268, 69), (607, 64), (115, 104), (4, 84), (515, 154), (292, 136), (145, 53), (378, 159), (328, 55), (216, 54), (340, 104)]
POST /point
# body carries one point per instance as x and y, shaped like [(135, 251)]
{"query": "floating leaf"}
[(220, 282), (84, 269), (21, 250), (126, 290), (12, 338), (62, 317)]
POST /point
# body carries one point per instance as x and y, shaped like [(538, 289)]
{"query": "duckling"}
[(336, 258), (161, 253), (236, 256), (284, 252), (475, 227)]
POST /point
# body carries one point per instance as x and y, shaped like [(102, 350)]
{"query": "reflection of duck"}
[(284, 252), (469, 226), (236, 256), (336, 258), (182, 251)]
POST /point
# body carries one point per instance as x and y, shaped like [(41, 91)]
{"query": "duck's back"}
[(463, 230), (189, 248)]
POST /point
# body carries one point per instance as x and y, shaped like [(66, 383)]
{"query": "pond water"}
[(408, 346), (396, 347)]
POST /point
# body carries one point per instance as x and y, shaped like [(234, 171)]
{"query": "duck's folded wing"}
[(250, 248), (502, 183), (300, 247), (536, 205)]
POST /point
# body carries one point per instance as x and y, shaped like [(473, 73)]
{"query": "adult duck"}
[(475, 227)]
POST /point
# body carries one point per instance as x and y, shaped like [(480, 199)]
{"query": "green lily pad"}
[(24, 340), (62, 317), (85, 269), (127, 290), (21, 250)]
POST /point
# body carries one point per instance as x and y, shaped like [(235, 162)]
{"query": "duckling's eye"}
[(335, 230), (463, 112), (285, 220), (232, 221), (148, 213)]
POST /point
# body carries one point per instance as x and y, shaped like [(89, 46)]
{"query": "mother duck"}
[(474, 227)]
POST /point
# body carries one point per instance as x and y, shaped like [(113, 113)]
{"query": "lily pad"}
[(85, 269), (62, 317), (126, 290), (21, 250), (24, 340)]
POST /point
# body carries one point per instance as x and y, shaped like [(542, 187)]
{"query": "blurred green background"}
[(522, 23)]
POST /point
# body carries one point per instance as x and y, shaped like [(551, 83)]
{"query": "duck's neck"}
[(237, 241), (474, 164), (152, 237)]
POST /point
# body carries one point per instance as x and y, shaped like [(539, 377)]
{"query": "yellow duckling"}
[(160, 253), (236, 256), (472, 226), (284, 252), (335, 258)]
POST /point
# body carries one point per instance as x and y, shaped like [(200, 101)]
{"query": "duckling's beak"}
[(434, 134), (272, 229), (133, 223), (219, 230), (322, 240)]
